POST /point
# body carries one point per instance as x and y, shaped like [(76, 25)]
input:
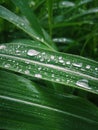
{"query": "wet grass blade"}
[(24, 105), (23, 24), (57, 67), (86, 12), (31, 43), (30, 16), (50, 14), (24, 7)]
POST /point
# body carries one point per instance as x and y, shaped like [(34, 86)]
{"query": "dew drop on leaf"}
[(32, 52), (22, 24), (83, 83), (61, 61), (27, 71), (52, 57), (7, 65), (57, 80), (60, 58), (38, 75), (2, 47), (68, 62), (39, 68), (77, 64), (88, 67), (96, 68)]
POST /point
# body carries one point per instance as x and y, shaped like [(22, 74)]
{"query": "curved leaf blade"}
[(57, 67), (24, 105), (23, 24), (28, 13)]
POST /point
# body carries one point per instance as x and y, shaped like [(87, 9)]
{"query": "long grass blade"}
[(24, 105), (40, 63)]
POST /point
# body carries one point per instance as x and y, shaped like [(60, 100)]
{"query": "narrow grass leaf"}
[(35, 24), (24, 7), (40, 63), (23, 105), (23, 24)]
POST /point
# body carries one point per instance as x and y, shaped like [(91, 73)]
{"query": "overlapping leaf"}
[(24, 105), (25, 25)]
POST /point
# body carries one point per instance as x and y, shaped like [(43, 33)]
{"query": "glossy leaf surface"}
[(23, 105), (57, 67)]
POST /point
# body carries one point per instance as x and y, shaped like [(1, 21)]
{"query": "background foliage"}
[(52, 28)]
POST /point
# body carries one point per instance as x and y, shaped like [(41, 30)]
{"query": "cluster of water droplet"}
[(45, 65)]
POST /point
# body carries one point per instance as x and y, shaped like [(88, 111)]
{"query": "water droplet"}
[(60, 58), (38, 75), (64, 4), (42, 59), (43, 53), (88, 67), (32, 52), (39, 68), (96, 68), (52, 75), (83, 83), (2, 47), (68, 81), (27, 71), (57, 80), (17, 51), (20, 70), (27, 62), (52, 57), (7, 65), (22, 24), (61, 61), (77, 64), (48, 60), (68, 62)]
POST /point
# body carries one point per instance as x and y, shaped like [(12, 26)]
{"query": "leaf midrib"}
[(51, 66)]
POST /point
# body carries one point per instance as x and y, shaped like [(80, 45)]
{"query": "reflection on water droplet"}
[(22, 24), (42, 59), (2, 47), (88, 67), (38, 75), (39, 68), (17, 51), (43, 53), (32, 52), (7, 65), (61, 61), (96, 68), (83, 83), (68, 62), (77, 64), (27, 71), (27, 62), (60, 58), (57, 80), (52, 57)]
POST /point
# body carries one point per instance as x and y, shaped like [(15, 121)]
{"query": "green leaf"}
[(86, 12), (24, 24), (23, 105), (57, 67), (50, 14), (31, 43), (23, 5)]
